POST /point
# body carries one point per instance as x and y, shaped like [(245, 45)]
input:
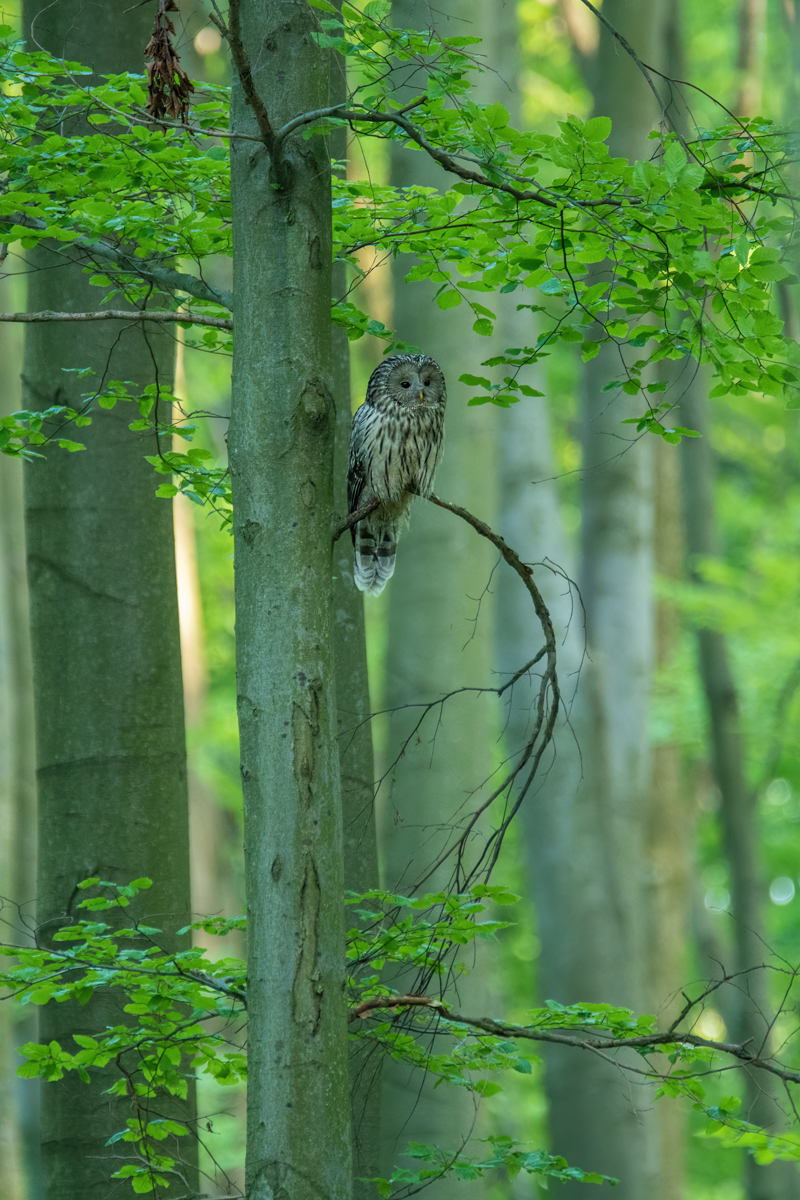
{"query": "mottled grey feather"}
[(395, 446)]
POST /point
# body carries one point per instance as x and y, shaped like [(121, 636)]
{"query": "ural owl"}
[(395, 446)]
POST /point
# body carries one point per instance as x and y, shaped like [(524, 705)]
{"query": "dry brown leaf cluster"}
[(168, 85)]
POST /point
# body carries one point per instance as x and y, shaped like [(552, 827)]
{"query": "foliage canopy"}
[(677, 257)]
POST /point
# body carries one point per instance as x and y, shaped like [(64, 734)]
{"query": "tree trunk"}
[(354, 727), (668, 834), (439, 637), (281, 455), (590, 818), (17, 799), (748, 1008), (107, 679)]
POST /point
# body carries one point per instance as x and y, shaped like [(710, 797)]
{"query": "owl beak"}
[(422, 398)]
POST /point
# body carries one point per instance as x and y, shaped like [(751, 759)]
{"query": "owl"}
[(395, 445)]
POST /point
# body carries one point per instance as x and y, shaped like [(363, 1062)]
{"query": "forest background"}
[(422, 630)]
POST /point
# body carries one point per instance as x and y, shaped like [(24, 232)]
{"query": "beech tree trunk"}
[(281, 455), (439, 637), (17, 802), (111, 765), (353, 724)]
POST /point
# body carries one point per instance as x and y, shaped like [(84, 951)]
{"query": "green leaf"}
[(597, 129), (29, 1070), (552, 287), (674, 162), (449, 299)]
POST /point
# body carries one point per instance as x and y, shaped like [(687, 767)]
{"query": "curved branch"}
[(445, 160), (547, 707)]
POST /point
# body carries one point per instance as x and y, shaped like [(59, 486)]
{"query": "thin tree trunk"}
[(748, 1007), (354, 727), (281, 455), (668, 832), (750, 57), (15, 737)]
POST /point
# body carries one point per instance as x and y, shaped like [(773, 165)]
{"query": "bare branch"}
[(547, 707), (120, 314), (355, 516), (361, 1010), (233, 36)]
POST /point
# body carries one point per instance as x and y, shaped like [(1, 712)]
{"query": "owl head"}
[(408, 379)]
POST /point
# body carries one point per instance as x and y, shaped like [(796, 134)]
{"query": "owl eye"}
[(427, 383), (405, 383)]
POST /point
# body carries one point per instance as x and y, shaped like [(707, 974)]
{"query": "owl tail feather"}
[(374, 558)]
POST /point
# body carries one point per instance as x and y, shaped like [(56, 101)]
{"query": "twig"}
[(120, 314), (355, 516), (628, 48)]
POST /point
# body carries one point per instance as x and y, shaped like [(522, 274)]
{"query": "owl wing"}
[(359, 464)]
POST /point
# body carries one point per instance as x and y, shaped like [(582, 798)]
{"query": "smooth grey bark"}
[(748, 1009), (354, 732), (111, 769), (16, 753), (668, 831), (281, 454)]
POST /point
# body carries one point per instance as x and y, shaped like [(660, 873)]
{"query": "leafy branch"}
[(185, 1012)]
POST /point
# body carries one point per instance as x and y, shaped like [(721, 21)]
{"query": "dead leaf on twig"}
[(168, 85)]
